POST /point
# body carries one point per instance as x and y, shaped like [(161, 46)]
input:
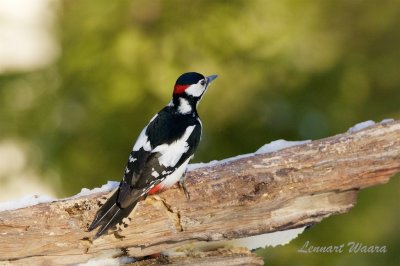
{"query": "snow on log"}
[(250, 195)]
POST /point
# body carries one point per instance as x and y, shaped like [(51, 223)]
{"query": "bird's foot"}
[(182, 186)]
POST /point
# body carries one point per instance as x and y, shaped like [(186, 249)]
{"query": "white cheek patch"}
[(172, 153), (195, 90)]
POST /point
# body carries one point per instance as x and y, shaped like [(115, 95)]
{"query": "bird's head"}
[(192, 86)]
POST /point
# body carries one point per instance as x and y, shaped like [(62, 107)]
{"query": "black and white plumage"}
[(161, 153)]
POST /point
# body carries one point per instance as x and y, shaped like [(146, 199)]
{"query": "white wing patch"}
[(154, 117), (131, 159), (142, 142), (172, 153)]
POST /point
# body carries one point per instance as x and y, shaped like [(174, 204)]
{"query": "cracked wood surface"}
[(263, 193), (220, 257)]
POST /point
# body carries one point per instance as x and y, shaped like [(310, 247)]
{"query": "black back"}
[(167, 127)]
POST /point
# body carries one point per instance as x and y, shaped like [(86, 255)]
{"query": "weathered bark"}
[(264, 193), (220, 257)]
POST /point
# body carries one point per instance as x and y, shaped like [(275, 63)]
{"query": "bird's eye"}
[(203, 82)]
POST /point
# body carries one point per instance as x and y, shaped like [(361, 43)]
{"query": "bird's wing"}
[(161, 148)]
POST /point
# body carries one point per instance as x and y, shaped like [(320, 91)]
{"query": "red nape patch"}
[(178, 89), (154, 190)]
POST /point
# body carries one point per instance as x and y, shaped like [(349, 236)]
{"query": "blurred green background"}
[(288, 69)]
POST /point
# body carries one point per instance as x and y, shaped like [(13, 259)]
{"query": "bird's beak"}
[(211, 78)]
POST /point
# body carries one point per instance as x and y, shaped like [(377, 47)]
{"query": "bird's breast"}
[(175, 176)]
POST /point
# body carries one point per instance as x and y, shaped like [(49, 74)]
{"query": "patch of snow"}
[(361, 126), (252, 242), (110, 186), (26, 201), (104, 261), (267, 148), (31, 200), (194, 166), (268, 240), (279, 145), (387, 120), (216, 162)]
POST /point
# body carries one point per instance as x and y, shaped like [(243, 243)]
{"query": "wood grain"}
[(264, 193)]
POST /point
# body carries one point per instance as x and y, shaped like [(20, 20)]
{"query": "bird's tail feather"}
[(110, 214)]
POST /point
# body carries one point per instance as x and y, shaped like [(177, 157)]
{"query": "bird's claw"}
[(182, 186)]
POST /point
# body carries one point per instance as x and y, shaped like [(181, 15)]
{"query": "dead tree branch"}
[(263, 193)]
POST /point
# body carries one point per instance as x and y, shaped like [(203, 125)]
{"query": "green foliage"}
[(291, 69)]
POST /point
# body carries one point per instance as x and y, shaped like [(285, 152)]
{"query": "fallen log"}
[(252, 195)]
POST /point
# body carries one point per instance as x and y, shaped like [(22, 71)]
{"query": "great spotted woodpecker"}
[(161, 153)]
